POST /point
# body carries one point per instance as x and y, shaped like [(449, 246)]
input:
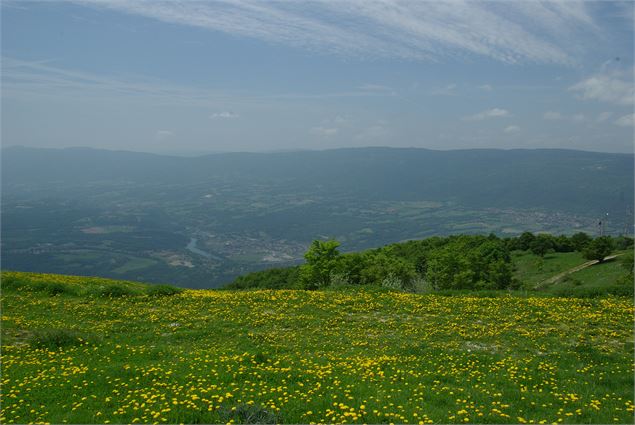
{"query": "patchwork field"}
[(78, 350)]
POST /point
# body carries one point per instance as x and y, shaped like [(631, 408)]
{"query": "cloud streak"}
[(224, 115), (626, 120), (611, 87), (324, 131), (489, 113), (510, 32)]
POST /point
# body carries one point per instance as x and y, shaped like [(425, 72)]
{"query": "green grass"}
[(531, 270), (596, 280), (599, 275), (351, 355)]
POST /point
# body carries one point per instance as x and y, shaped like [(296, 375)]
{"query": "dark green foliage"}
[(9, 282), (628, 263), (114, 291), (56, 288), (50, 288), (580, 240), (278, 278), (623, 242), (321, 262), (162, 290), (56, 338), (246, 414), (563, 243), (466, 262), (381, 267), (599, 248), (542, 244), (525, 240), (470, 262)]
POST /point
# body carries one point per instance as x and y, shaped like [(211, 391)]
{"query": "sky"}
[(194, 77)]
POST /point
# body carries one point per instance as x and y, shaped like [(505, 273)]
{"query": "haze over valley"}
[(202, 221)]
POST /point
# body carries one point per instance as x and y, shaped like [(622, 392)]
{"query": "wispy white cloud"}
[(485, 87), (448, 90), (577, 117), (22, 79), (510, 32), (375, 88), (37, 79), (162, 135), (324, 131), (626, 120), (373, 132), (612, 87), (512, 129), (552, 115), (489, 113), (340, 120), (224, 115), (603, 116)]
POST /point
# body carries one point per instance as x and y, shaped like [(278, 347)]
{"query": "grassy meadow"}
[(78, 350)]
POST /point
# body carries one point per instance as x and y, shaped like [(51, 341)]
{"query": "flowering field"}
[(300, 357)]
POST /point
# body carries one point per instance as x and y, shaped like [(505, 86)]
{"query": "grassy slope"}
[(531, 270), (366, 356)]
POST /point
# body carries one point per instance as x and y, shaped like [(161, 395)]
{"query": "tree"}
[(525, 240), (599, 248), (580, 240), (382, 266), (321, 260), (541, 245), (563, 244), (470, 262)]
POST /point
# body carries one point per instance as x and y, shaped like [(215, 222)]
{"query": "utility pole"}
[(602, 224), (628, 226)]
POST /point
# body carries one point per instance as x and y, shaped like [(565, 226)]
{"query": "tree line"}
[(436, 263)]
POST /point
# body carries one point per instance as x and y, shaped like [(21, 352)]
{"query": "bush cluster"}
[(464, 262)]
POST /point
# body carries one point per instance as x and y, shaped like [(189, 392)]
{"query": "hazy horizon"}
[(195, 153), (210, 77)]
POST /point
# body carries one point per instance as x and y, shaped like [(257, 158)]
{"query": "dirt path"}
[(554, 279)]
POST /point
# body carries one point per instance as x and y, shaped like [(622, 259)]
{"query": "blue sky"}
[(188, 77)]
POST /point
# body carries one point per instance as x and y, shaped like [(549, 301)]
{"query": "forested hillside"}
[(463, 262)]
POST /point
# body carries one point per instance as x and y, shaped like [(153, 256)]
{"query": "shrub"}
[(163, 290), (421, 286), (392, 282), (580, 240), (628, 263), (246, 414), (114, 291), (56, 338), (55, 288), (51, 288), (10, 282), (339, 279), (599, 248)]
